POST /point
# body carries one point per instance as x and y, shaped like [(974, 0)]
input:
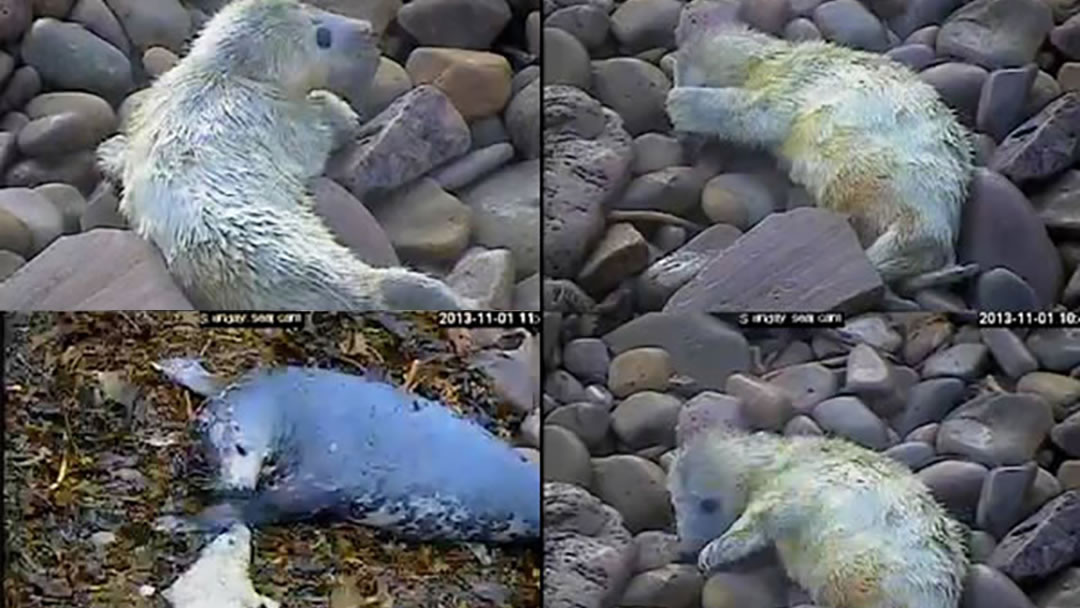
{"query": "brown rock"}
[(425, 223), (639, 369), (37, 213), (636, 487), (1060, 391), (674, 585), (15, 235), (687, 338), (98, 270), (565, 59), (477, 82), (57, 134), (621, 253), (1066, 37), (352, 224), (157, 60), (416, 133), (764, 405), (10, 262), (95, 109), (68, 200), (1068, 76), (635, 89), (390, 82), (15, 16), (78, 169)]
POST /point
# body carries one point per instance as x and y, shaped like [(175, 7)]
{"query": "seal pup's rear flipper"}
[(190, 373)]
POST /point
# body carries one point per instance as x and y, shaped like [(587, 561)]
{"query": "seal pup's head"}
[(708, 494), (281, 42)]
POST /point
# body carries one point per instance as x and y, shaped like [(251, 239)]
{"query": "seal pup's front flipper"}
[(111, 155), (190, 373), (942, 277)]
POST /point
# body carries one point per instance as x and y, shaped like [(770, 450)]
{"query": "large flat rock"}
[(103, 269), (807, 259), (702, 348)]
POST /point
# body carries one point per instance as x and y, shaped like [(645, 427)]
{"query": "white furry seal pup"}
[(295, 443), (219, 578), (215, 159), (852, 527), (862, 133)]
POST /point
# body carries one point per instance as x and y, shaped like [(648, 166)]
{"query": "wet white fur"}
[(215, 160), (852, 527), (219, 578), (862, 133)]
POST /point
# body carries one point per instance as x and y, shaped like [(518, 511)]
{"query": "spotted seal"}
[(292, 443)]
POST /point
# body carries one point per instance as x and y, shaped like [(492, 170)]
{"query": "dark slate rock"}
[(701, 347), (997, 212), (997, 429), (1002, 101), (1042, 544), (1001, 502), (812, 259), (1044, 145)]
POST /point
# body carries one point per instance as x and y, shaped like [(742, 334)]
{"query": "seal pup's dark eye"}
[(240, 450), (708, 505), (323, 37)]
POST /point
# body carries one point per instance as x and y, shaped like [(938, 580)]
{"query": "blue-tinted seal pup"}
[(292, 443)]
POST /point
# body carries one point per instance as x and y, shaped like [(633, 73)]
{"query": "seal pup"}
[(853, 527), (862, 133), (215, 158), (292, 443), (219, 578)]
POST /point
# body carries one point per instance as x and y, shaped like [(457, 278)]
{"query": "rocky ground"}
[(448, 181), (987, 418), (98, 446), (634, 220)]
